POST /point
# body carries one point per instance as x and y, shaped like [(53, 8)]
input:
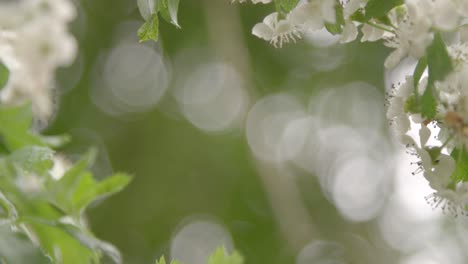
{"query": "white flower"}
[(313, 15), (451, 201), (36, 43), (276, 31), (411, 37), (349, 33), (399, 120), (370, 33)]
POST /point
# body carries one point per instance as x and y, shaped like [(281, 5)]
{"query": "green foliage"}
[(150, 29), (14, 127), (380, 8), (166, 8), (4, 75), (461, 165), (336, 28), (418, 72), (428, 103), (163, 261), (438, 60), (36, 205), (439, 65), (285, 6), (219, 256)]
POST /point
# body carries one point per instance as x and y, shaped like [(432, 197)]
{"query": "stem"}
[(447, 141), (379, 27)]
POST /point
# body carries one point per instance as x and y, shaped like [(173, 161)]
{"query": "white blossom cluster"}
[(434, 102), (34, 42), (440, 160)]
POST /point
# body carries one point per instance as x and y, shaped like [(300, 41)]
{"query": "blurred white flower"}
[(32, 47)]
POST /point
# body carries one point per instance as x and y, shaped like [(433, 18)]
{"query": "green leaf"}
[(168, 10), (428, 103), (439, 65), (285, 6), (149, 30), (88, 190), (91, 242), (221, 256), (438, 60), (358, 16), (162, 260), (380, 8), (62, 190), (336, 28), (418, 72), (15, 125), (461, 165), (4, 75), (61, 246), (33, 159)]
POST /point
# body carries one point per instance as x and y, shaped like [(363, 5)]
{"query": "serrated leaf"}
[(33, 159), (380, 8), (88, 190), (438, 60), (4, 75), (221, 256), (149, 30)]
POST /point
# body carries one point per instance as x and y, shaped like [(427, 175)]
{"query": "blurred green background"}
[(183, 172)]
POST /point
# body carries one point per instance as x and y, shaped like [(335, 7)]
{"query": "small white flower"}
[(276, 31), (399, 120), (451, 201), (349, 33), (370, 33), (313, 15)]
